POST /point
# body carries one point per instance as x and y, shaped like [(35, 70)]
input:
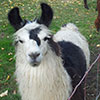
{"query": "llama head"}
[(32, 38)]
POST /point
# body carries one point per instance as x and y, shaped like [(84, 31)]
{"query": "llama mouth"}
[(35, 64)]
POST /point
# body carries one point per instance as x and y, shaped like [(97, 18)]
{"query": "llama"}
[(85, 4), (97, 21), (48, 67)]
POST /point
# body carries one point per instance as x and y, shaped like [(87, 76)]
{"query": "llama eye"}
[(46, 38), (15, 43), (21, 41)]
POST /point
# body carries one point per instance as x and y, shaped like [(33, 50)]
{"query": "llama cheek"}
[(44, 49), (29, 59), (39, 58)]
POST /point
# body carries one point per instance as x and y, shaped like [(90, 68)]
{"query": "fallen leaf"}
[(7, 37), (2, 48), (14, 92), (98, 45), (10, 59), (4, 93), (8, 77), (10, 53), (90, 35), (2, 35)]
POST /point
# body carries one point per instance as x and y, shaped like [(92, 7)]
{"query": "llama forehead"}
[(33, 34), (22, 34), (24, 31), (33, 31), (37, 29), (31, 25)]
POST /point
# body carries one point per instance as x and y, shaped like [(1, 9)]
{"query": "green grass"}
[(63, 13)]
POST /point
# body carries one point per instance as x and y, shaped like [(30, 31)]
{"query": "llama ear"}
[(15, 19), (46, 16)]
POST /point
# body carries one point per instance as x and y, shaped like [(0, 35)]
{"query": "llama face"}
[(31, 37), (32, 41)]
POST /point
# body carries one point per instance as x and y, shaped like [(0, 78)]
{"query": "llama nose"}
[(34, 55)]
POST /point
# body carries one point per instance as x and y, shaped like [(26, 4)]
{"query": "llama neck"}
[(50, 66), (49, 79), (51, 59)]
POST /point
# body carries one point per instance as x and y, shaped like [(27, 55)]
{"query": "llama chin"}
[(48, 67)]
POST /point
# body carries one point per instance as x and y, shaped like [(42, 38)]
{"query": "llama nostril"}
[(34, 55)]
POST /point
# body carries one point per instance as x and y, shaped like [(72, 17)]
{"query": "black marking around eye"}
[(21, 41), (48, 37), (34, 35), (15, 43), (36, 30)]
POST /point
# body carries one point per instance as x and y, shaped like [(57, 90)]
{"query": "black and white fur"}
[(48, 67)]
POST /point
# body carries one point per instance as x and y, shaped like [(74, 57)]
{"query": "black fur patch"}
[(73, 57), (79, 94), (36, 30), (46, 16), (34, 35), (75, 63), (15, 18), (54, 46)]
